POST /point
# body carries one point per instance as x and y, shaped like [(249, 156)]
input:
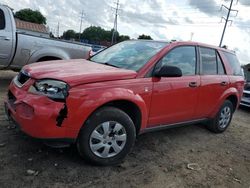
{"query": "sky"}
[(197, 20)]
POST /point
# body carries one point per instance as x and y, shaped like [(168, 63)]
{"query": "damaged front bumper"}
[(37, 115)]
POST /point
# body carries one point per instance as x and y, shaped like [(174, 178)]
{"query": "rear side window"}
[(234, 63), (221, 69), (2, 20), (211, 63), (208, 61), (183, 57)]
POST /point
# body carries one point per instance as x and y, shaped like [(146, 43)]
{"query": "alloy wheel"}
[(225, 117), (108, 139)]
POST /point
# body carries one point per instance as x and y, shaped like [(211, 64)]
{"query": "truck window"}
[(183, 57), (2, 20), (234, 63)]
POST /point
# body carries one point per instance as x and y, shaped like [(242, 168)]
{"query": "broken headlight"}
[(53, 89)]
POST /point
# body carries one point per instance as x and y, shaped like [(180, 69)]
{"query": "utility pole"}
[(229, 9), (82, 14), (115, 23), (58, 30)]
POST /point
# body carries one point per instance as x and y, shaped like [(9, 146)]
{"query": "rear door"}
[(214, 82), (174, 100), (6, 37)]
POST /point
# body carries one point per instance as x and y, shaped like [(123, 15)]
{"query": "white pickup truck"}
[(18, 49)]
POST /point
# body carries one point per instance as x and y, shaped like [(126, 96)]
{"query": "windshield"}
[(132, 55)]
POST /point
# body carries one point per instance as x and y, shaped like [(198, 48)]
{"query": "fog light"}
[(25, 111)]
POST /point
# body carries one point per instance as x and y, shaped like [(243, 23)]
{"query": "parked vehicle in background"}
[(128, 89), (245, 101), (19, 49), (96, 48)]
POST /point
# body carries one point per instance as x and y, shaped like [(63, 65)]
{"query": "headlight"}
[(53, 89)]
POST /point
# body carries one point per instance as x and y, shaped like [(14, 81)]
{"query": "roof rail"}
[(225, 46), (173, 40)]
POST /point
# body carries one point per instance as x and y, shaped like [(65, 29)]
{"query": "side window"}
[(234, 63), (183, 57), (221, 70), (2, 20), (208, 61)]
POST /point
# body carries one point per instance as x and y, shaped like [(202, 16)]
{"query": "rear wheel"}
[(107, 137), (223, 118)]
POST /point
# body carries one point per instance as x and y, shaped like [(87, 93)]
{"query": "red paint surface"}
[(160, 100)]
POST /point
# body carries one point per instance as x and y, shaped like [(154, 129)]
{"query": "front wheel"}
[(223, 118), (107, 137)]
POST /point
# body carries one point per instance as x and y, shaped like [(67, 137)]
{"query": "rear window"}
[(211, 62), (234, 63), (2, 20), (208, 61)]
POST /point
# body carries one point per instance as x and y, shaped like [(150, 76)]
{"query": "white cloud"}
[(162, 19)]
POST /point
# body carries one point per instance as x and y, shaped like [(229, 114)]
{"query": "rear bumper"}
[(36, 115)]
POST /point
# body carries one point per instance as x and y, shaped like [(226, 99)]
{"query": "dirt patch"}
[(158, 159)]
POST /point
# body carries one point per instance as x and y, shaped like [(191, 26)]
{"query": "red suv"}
[(133, 87)]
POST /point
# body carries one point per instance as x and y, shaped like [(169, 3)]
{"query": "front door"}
[(174, 100)]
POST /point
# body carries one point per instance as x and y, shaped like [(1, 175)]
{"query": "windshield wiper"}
[(109, 64)]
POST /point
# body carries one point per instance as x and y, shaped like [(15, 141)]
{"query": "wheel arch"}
[(129, 107), (230, 94), (48, 52), (234, 100), (48, 58)]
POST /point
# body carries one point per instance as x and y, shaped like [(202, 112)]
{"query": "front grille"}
[(11, 98), (22, 77)]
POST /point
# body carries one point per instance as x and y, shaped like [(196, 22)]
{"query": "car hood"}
[(76, 72)]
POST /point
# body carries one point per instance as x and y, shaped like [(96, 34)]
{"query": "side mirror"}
[(168, 71)]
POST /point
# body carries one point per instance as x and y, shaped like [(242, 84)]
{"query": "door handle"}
[(7, 38), (224, 83), (4, 38), (193, 84)]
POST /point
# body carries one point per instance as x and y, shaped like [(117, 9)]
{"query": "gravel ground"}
[(160, 159)]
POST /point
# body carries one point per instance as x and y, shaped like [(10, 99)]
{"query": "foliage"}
[(30, 16), (94, 34), (123, 38), (69, 34), (147, 37)]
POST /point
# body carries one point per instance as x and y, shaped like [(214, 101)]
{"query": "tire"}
[(222, 119), (106, 137)]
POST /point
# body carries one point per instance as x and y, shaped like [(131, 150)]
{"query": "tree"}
[(147, 37), (123, 38), (94, 34), (30, 16), (69, 34)]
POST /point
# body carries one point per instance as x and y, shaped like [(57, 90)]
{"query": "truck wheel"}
[(107, 137), (223, 118)]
